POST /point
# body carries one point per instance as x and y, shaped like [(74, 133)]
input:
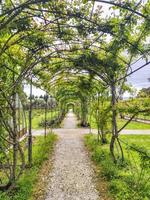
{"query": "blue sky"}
[(140, 78)]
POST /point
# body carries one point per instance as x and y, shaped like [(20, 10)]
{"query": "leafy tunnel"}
[(76, 55)]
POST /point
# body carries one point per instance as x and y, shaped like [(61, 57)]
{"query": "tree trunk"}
[(30, 128), (114, 122), (15, 142), (99, 133), (114, 125), (84, 111), (45, 132)]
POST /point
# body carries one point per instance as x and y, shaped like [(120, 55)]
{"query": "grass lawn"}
[(42, 150), (126, 181), (38, 115), (139, 140), (132, 125)]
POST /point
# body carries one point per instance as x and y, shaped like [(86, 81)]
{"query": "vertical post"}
[(55, 110), (58, 110), (19, 117), (15, 142), (46, 99), (51, 112), (30, 127), (90, 117), (114, 122), (98, 126)]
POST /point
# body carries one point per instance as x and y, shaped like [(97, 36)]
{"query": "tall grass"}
[(128, 180), (42, 150)]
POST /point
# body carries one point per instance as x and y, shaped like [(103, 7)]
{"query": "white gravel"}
[(72, 176)]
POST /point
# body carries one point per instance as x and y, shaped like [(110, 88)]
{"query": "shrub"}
[(126, 181)]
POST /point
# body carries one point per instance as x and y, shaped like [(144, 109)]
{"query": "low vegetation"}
[(42, 150), (39, 115), (79, 55), (127, 180)]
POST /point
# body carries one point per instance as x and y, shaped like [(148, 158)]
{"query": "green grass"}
[(38, 115), (140, 140), (42, 149), (131, 126), (125, 181)]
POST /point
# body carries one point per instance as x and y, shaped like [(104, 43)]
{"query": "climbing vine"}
[(75, 54)]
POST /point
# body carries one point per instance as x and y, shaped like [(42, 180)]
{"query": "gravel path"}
[(72, 177)]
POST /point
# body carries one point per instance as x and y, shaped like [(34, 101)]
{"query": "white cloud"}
[(36, 91)]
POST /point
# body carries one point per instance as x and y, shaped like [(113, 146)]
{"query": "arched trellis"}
[(14, 11), (120, 5), (37, 58), (71, 106)]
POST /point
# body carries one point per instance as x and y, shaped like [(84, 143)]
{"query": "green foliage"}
[(119, 188), (54, 121), (125, 182), (110, 171), (42, 150), (38, 117), (136, 105), (144, 92), (72, 50), (133, 125)]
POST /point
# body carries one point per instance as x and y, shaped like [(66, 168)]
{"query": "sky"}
[(35, 91), (138, 80)]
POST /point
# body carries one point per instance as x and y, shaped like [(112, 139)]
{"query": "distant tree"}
[(144, 92)]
